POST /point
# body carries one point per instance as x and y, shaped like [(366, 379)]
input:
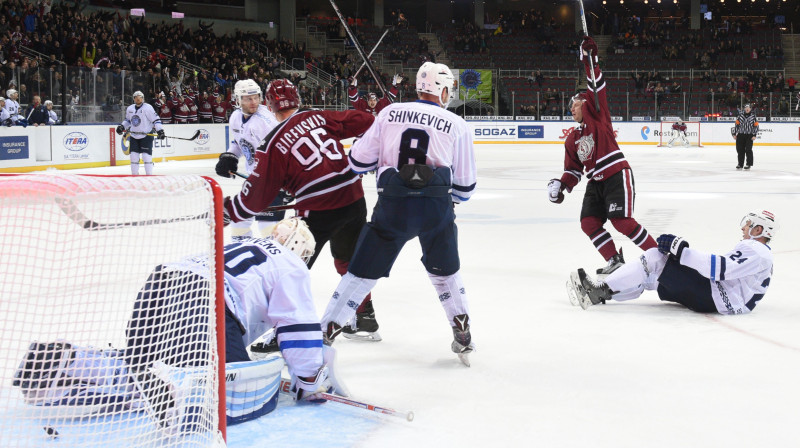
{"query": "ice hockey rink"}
[(545, 373)]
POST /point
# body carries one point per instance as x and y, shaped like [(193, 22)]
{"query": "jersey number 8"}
[(413, 147)]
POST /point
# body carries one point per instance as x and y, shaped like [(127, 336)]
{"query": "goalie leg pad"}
[(251, 388)]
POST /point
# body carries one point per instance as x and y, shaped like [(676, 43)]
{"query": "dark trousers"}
[(744, 147)]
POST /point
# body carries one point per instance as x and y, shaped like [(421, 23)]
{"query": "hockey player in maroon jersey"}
[(204, 109), (678, 133), (591, 147), (191, 104), (304, 157), (162, 107), (180, 111), (372, 104), (220, 108)]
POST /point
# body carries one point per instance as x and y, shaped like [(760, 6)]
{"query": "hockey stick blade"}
[(408, 415), (76, 215)]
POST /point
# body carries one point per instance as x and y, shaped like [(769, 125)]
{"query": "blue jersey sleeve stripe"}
[(298, 327), (713, 268), (461, 197), (464, 189), (316, 343), (364, 166)]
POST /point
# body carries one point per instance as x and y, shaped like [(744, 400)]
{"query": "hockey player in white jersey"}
[(140, 120), (267, 284), (12, 106), (249, 124), (733, 283), (425, 162)]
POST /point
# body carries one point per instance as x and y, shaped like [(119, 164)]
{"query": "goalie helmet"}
[(680, 120), (763, 218), (246, 87), (294, 234), (282, 95), (433, 79)]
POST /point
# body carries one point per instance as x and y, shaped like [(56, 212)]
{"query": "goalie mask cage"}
[(81, 256), (693, 135)]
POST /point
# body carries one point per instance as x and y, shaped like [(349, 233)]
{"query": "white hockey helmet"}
[(294, 234), (433, 79), (763, 218), (48, 103), (680, 120), (138, 93), (11, 92), (246, 87)]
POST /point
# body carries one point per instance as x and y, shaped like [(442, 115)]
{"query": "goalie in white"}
[(733, 283), (249, 124), (267, 285), (679, 133)]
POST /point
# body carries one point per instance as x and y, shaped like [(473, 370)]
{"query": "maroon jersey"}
[(361, 104), (592, 146), (219, 110), (180, 113), (204, 110), (164, 111), (192, 107), (303, 156), (681, 127)]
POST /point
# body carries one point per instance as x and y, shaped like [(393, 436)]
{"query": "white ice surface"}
[(546, 374)]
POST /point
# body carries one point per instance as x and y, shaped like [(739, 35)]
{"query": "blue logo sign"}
[(470, 79), (202, 139), (13, 148), (645, 132), (76, 141), (530, 131)]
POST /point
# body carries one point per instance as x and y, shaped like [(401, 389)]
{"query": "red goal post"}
[(79, 257), (693, 133)]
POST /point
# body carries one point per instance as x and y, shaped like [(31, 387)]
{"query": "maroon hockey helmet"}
[(282, 95)]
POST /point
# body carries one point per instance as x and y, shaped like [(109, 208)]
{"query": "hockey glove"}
[(671, 244), (588, 46), (160, 134), (228, 163), (226, 217), (120, 129), (397, 79), (309, 388), (554, 191), (353, 81)]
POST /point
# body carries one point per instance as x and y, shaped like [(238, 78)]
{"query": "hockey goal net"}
[(105, 341), (667, 134)]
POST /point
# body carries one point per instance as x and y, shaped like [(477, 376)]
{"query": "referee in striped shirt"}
[(745, 132)]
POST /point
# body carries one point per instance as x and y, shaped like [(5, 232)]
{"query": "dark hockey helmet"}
[(282, 95)]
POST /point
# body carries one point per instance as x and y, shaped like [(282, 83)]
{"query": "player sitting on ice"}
[(679, 133), (733, 283), (266, 284)]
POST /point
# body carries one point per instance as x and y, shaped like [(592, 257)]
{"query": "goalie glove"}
[(555, 191), (672, 245), (309, 388), (228, 163)]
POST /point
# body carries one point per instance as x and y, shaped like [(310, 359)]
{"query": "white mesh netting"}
[(107, 337)]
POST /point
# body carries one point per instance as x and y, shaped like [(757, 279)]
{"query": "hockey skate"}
[(331, 331), (263, 346), (462, 339), (364, 326), (614, 263), (586, 291)]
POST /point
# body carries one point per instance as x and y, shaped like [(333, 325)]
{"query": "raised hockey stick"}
[(193, 137), (591, 62), (75, 214), (408, 415), (360, 50), (363, 64)]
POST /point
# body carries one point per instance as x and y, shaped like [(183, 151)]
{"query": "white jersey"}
[(4, 115), (739, 279), (266, 285), (13, 109), (419, 132), (52, 118), (141, 120), (249, 133)]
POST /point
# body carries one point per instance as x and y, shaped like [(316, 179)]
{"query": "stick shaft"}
[(359, 48), (364, 64), (286, 387), (591, 62)]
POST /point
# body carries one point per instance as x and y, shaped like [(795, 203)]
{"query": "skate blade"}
[(577, 295), (363, 336)]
